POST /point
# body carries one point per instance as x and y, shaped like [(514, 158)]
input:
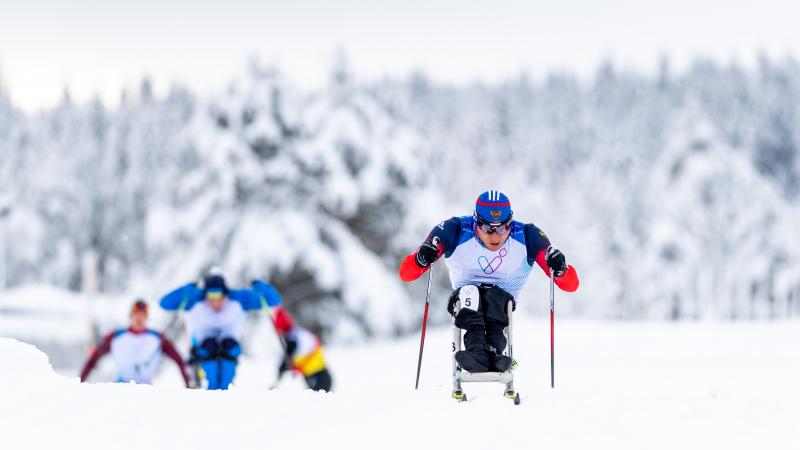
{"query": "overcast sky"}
[(101, 46)]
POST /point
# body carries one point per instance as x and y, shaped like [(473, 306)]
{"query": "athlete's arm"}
[(448, 233), (99, 352), (537, 243), (172, 353)]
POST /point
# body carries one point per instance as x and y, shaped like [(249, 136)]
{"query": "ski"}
[(513, 396), (460, 396)]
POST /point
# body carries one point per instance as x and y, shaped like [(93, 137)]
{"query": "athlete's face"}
[(216, 303), (492, 241), (138, 320)]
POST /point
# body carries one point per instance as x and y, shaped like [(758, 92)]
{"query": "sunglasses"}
[(499, 229)]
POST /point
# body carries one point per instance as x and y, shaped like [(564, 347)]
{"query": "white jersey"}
[(205, 323), (473, 263), (470, 262), (136, 355), (306, 341)]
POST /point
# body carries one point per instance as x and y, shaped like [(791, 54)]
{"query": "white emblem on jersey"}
[(472, 263)]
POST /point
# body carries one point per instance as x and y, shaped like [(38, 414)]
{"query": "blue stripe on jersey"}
[(119, 332), (517, 232), (518, 279), (458, 230), (467, 229)]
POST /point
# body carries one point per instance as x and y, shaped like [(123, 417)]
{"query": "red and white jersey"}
[(136, 355), (205, 323)]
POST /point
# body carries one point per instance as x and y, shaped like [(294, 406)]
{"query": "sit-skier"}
[(304, 353), (215, 319), (490, 254), (136, 350)]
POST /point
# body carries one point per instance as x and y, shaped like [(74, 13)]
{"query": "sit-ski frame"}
[(460, 375)]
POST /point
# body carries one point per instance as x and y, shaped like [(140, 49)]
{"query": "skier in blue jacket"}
[(215, 318)]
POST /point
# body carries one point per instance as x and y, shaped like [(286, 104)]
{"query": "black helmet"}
[(215, 284)]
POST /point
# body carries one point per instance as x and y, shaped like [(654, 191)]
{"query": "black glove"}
[(230, 349), (556, 261), (206, 351), (427, 254)]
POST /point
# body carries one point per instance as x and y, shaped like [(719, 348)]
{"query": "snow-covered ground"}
[(618, 386)]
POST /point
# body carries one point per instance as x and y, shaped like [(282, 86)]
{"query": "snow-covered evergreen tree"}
[(674, 195)]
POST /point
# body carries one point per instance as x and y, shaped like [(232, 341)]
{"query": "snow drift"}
[(618, 387)]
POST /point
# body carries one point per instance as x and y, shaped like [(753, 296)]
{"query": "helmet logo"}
[(495, 213)]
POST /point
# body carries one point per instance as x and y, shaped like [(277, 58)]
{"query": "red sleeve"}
[(98, 353), (568, 282), (172, 353), (410, 271)]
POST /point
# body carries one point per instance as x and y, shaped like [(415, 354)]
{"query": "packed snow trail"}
[(618, 386)]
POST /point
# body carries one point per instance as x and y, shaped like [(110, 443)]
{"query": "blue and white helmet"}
[(493, 208)]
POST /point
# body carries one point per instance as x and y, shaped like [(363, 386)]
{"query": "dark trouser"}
[(218, 359), (320, 381), (484, 328)]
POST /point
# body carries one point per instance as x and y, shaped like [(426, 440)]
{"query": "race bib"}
[(469, 297)]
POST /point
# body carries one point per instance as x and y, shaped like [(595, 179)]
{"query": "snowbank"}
[(29, 366), (618, 386)]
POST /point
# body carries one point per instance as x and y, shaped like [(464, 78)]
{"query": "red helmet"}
[(139, 306), (283, 320)]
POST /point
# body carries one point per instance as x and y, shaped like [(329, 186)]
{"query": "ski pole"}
[(167, 331), (552, 335), (284, 346), (435, 241)]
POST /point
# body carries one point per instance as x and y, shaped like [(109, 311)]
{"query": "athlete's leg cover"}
[(474, 357), (208, 354), (211, 370), (320, 381), (495, 303), (229, 356), (496, 343), (227, 371)]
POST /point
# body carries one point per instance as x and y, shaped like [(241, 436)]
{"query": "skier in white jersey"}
[(491, 254), (215, 319), (136, 350)]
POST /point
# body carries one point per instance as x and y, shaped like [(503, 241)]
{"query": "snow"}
[(619, 385), (675, 198)]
